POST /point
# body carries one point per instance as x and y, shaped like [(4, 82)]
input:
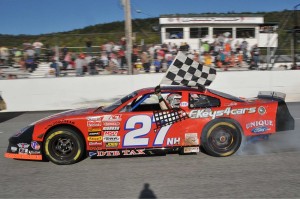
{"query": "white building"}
[(195, 29)]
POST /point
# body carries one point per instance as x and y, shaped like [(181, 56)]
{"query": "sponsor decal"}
[(94, 133), (111, 123), (206, 113), (13, 149), (23, 150), (260, 129), (60, 122), (95, 148), (184, 104), (191, 150), (110, 133), (132, 152), (34, 152), (94, 118), (173, 141), (191, 139), (108, 153), (95, 143), (112, 145), (23, 145), (93, 123), (112, 118), (111, 139), (35, 145), (262, 110), (259, 123), (91, 154), (94, 138), (111, 128), (94, 129)]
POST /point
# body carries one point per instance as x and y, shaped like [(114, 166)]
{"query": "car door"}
[(140, 129)]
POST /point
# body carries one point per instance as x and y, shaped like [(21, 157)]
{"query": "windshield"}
[(119, 102), (227, 96)]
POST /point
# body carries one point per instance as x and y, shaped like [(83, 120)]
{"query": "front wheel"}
[(63, 146), (221, 138)]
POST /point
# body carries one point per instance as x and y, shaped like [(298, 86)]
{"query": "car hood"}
[(73, 113)]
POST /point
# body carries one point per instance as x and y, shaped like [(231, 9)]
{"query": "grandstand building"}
[(195, 29)]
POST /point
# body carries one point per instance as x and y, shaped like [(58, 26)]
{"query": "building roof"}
[(211, 15)]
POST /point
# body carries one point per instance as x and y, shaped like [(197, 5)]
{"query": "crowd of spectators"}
[(110, 57)]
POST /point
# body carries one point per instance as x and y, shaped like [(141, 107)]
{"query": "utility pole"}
[(295, 29), (128, 35)]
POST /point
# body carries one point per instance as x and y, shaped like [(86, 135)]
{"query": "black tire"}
[(221, 137), (63, 146)]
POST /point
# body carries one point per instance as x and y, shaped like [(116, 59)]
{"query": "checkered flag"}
[(185, 71), (168, 117)]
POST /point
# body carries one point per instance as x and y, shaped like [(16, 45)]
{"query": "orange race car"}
[(153, 121)]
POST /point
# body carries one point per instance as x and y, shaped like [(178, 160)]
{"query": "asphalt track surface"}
[(267, 169)]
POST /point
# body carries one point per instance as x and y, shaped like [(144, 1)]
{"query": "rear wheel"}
[(221, 138), (63, 146)]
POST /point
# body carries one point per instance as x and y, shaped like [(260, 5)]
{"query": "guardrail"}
[(76, 92)]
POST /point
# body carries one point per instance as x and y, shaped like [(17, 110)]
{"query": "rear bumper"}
[(284, 120)]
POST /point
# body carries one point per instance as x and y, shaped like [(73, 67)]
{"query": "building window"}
[(198, 32), (245, 33), (174, 33), (227, 32)]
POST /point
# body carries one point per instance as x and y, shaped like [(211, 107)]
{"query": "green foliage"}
[(142, 31)]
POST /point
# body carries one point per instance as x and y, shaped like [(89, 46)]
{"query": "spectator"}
[(29, 53), (205, 47), (255, 55), (92, 67), (4, 55), (108, 48), (145, 61), (121, 56), (207, 59), (67, 60), (113, 65), (88, 45), (37, 48), (104, 60), (244, 48), (79, 65), (55, 66)]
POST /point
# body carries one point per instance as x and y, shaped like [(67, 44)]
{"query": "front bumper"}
[(21, 146)]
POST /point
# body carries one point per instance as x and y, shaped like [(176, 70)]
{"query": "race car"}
[(137, 125)]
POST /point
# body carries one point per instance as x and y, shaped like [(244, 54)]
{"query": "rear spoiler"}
[(284, 120), (273, 95)]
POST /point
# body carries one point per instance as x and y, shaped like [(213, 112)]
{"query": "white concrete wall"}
[(77, 92)]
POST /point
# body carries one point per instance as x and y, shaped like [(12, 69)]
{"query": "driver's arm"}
[(162, 102)]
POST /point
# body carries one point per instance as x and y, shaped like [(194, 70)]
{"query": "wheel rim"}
[(63, 146), (222, 139)]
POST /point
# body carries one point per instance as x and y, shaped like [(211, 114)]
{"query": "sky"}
[(48, 16)]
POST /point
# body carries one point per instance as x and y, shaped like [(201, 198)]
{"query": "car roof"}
[(174, 88)]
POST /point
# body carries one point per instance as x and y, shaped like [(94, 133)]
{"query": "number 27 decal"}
[(135, 136)]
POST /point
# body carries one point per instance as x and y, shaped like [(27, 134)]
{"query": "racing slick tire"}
[(221, 137), (63, 146)]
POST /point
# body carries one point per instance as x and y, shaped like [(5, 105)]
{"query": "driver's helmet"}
[(174, 100)]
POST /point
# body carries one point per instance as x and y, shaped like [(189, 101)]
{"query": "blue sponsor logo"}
[(35, 145), (260, 129), (91, 154)]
